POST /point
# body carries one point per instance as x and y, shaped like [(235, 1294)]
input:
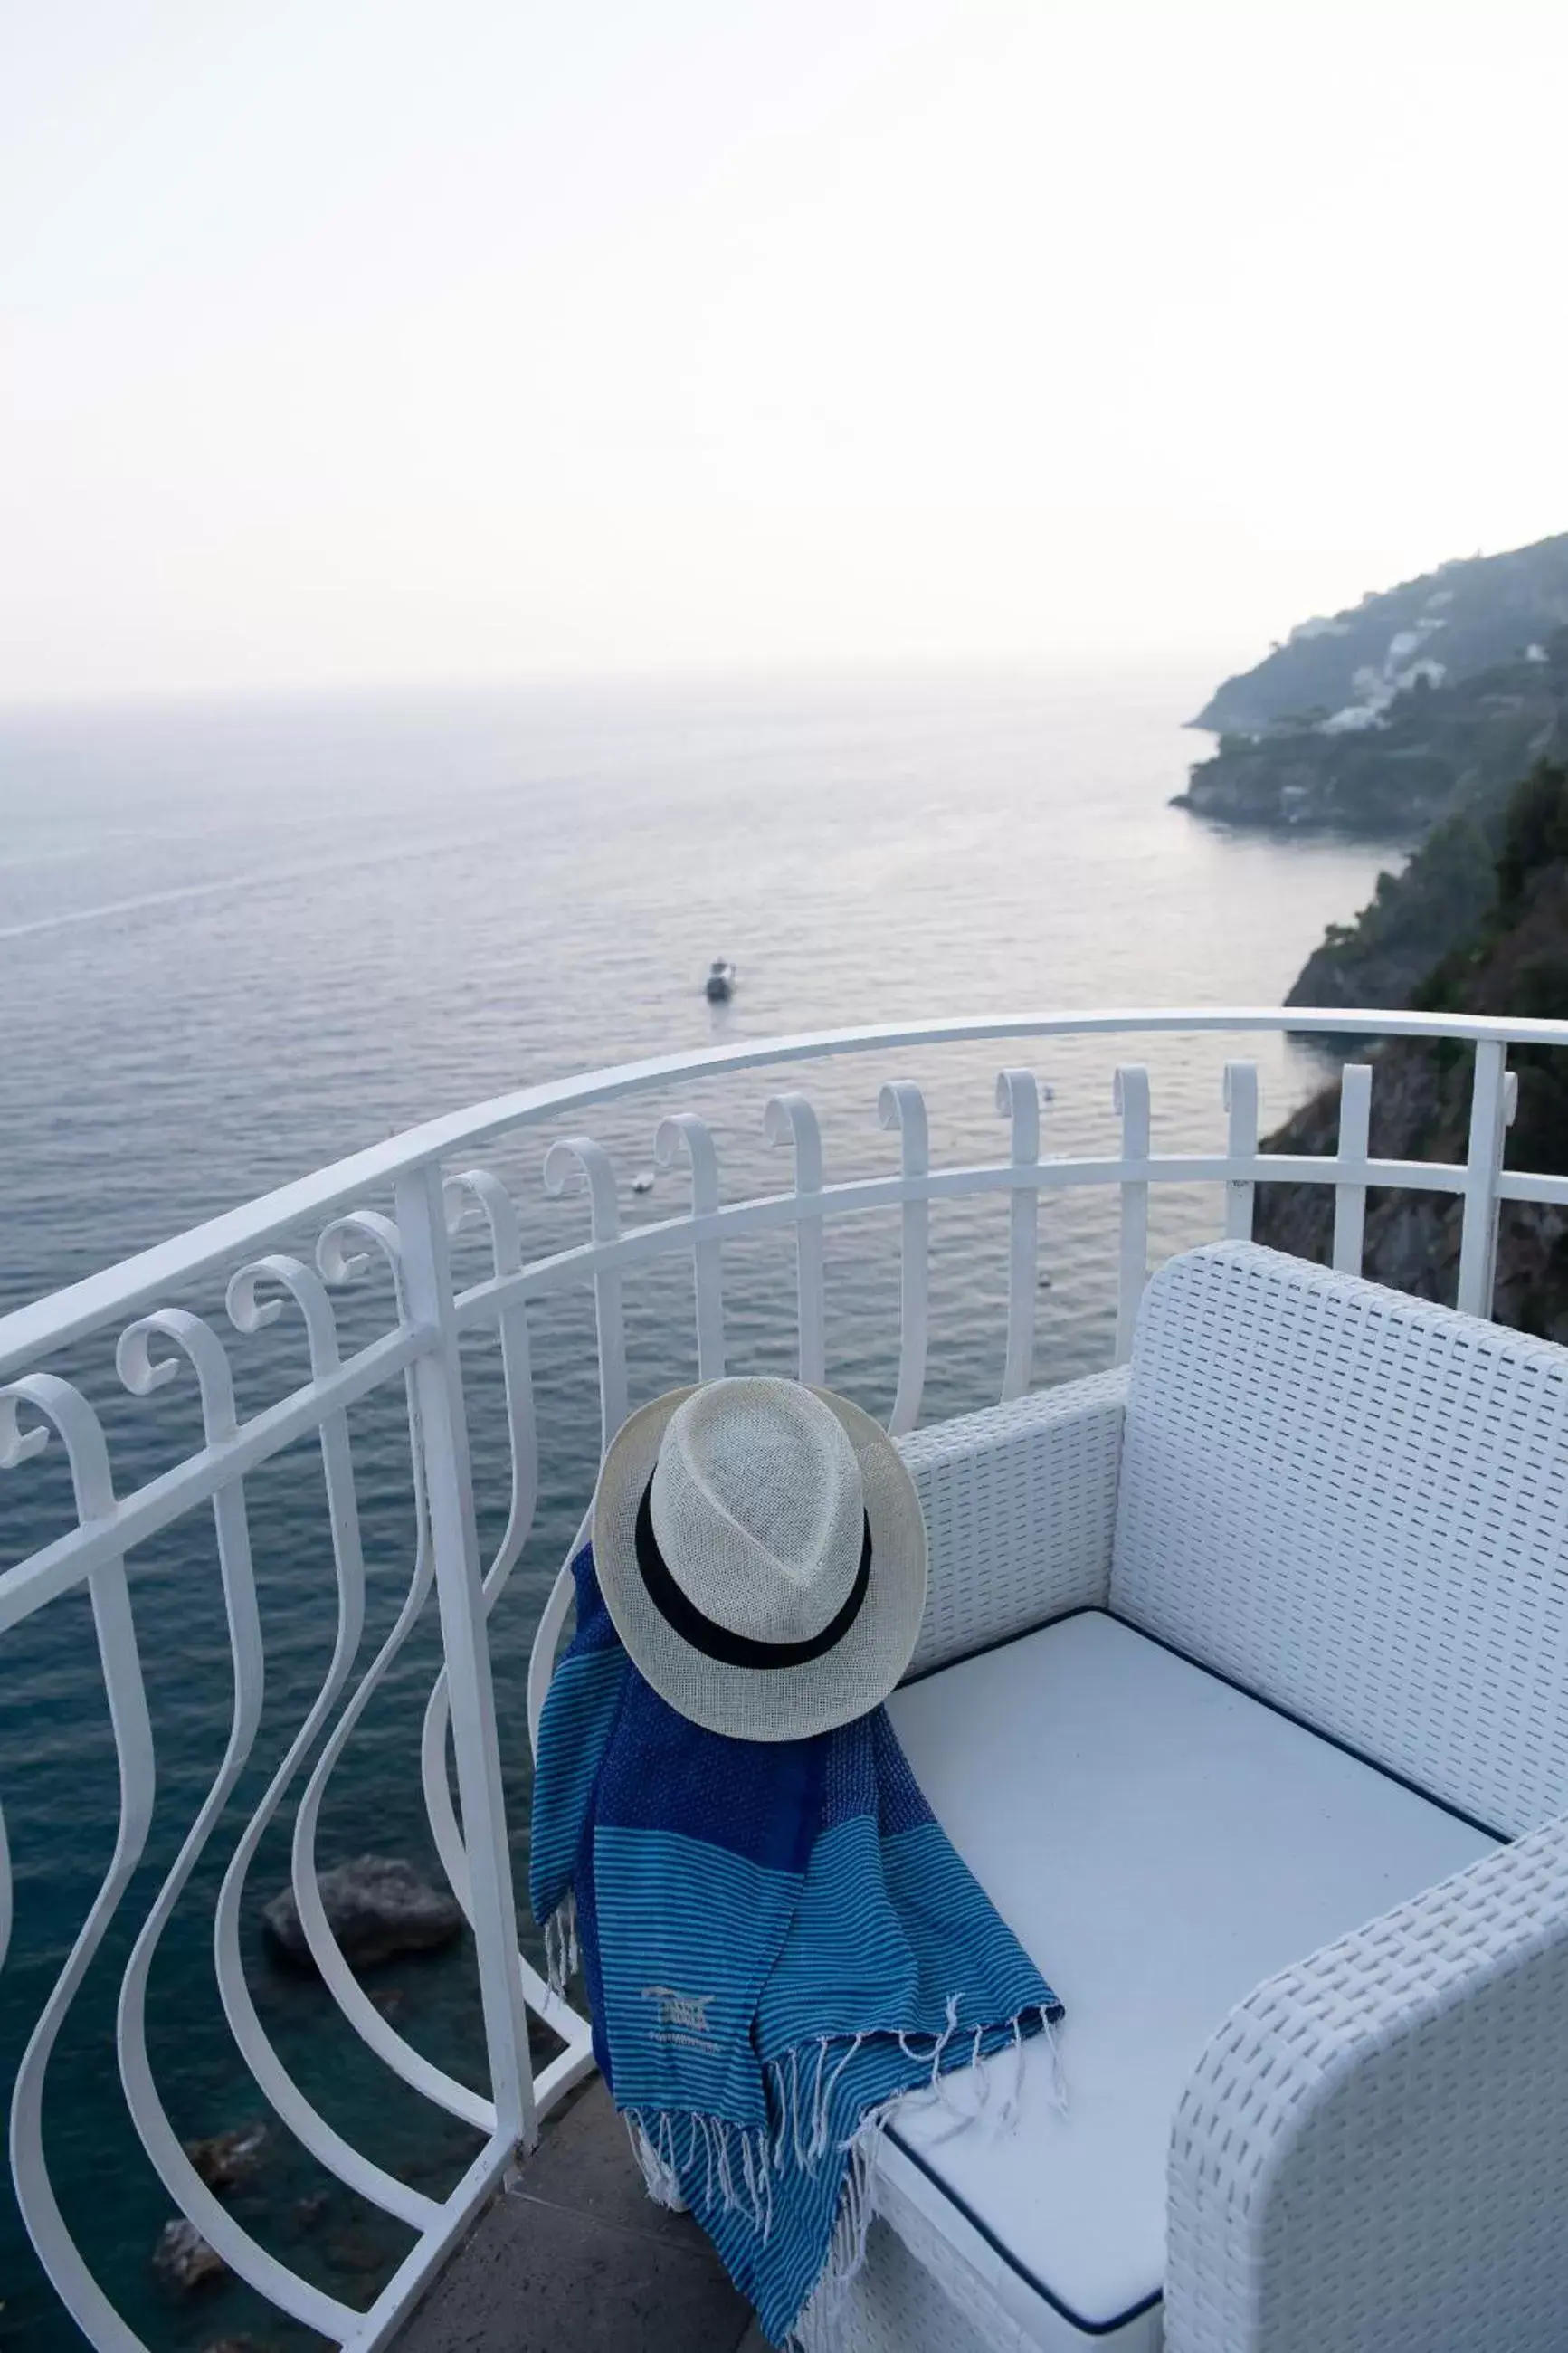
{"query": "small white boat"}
[(643, 1181), (720, 985)]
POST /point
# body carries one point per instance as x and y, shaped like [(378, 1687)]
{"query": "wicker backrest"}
[(1355, 1505)]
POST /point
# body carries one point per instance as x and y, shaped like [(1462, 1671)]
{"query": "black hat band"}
[(715, 1642)]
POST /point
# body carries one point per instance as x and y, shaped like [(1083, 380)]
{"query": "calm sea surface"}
[(238, 941)]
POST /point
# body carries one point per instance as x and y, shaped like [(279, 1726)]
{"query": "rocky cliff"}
[(1343, 670), (1383, 956), (1437, 749), (1512, 959), (1491, 730)]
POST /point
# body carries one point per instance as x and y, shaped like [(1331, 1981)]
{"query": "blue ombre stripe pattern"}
[(778, 1942)]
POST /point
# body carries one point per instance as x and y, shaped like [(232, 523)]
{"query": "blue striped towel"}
[(779, 1944)]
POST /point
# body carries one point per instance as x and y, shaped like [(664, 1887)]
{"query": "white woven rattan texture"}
[(1356, 1506), (897, 2304), (1370, 2155), (1020, 1504)]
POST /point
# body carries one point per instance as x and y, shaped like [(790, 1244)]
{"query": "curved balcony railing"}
[(400, 1206)]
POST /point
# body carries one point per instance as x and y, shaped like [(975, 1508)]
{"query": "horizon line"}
[(822, 669)]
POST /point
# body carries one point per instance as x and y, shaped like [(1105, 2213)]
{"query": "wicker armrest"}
[(1020, 1507), (1369, 2157)]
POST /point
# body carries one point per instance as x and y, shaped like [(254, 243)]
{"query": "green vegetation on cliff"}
[(1434, 750), (1513, 958), (1386, 953), (1491, 730), (1436, 714), (1451, 623)]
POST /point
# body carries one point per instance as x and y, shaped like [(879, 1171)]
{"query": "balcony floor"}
[(574, 2253)]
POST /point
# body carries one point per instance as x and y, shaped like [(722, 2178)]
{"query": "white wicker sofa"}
[(1227, 1657)]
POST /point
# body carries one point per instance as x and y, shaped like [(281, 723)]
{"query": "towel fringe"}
[(661, 2178), (733, 2161), (1058, 2072), (1008, 2113), (563, 1956), (817, 2324), (739, 2166)]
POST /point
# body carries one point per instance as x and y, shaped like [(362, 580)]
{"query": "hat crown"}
[(758, 1508)]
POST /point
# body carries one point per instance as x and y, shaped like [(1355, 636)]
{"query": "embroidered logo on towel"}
[(682, 2017)]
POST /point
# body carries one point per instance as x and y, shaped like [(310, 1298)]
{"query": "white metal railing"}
[(435, 1190)]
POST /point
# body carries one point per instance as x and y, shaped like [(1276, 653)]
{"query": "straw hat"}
[(761, 1550)]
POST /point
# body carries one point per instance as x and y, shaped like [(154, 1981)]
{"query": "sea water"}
[(237, 940)]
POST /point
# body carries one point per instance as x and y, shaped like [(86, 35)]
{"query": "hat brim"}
[(768, 1702)]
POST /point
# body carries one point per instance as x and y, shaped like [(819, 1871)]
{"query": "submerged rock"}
[(183, 2258), (225, 2157), (357, 2247), (377, 1905)]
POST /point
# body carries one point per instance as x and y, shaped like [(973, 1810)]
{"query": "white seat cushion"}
[(1160, 1842)]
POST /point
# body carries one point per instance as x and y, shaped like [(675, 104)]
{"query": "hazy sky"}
[(436, 339)]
